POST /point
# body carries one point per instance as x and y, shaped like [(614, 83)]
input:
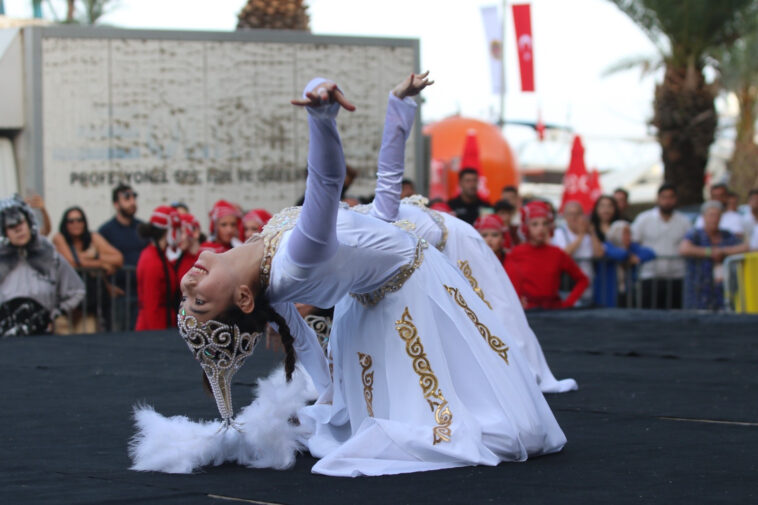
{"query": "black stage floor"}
[(667, 412)]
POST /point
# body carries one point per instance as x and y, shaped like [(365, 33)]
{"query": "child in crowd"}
[(535, 267), (156, 279), (490, 227), (254, 221), (189, 245), (505, 211), (225, 227)]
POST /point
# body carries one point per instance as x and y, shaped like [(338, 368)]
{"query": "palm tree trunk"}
[(685, 117), (743, 166), (70, 11)]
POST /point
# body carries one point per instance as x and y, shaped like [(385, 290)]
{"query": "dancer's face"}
[(252, 226), (539, 230), (75, 223), (494, 239), (208, 287), (227, 229), (20, 234), (711, 218), (605, 210)]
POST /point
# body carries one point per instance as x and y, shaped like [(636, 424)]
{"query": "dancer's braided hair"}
[(256, 321)]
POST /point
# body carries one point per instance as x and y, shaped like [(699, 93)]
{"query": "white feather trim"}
[(267, 437)]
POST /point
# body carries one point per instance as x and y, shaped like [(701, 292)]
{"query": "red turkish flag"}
[(470, 159), (576, 180), (522, 18)]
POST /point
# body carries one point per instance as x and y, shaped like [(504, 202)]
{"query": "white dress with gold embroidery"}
[(464, 246), (458, 240), (423, 378)]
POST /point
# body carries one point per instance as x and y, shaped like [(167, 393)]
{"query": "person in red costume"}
[(490, 227), (157, 284), (189, 245), (535, 267), (225, 227), (254, 221)]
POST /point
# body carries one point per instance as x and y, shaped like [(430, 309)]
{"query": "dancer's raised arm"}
[(401, 113), (314, 239)]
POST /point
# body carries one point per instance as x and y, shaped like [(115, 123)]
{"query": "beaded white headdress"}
[(221, 350)]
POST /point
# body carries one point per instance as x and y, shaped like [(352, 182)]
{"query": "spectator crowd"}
[(126, 274)]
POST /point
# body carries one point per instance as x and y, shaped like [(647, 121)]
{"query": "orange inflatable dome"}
[(497, 164)]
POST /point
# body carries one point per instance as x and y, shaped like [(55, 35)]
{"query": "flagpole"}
[(501, 120)]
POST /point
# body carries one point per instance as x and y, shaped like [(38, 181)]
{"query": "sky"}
[(574, 43)]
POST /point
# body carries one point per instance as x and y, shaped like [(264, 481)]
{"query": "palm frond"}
[(646, 63)]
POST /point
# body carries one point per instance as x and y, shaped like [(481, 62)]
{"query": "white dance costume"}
[(458, 240), (423, 378), (423, 375)]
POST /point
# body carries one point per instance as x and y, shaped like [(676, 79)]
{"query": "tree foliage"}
[(686, 33)]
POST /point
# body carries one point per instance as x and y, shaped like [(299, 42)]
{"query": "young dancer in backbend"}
[(423, 375)]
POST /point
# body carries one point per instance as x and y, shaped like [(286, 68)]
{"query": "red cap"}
[(189, 222), (489, 222), (165, 217), (534, 210), (260, 215)]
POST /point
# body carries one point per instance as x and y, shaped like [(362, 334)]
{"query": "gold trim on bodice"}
[(497, 345), (427, 379), (272, 235), (466, 269), (367, 377), (406, 225), (397, 280), (422, 202)]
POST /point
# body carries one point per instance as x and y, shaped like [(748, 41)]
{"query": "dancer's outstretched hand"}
[(326, 92), (412, 85)]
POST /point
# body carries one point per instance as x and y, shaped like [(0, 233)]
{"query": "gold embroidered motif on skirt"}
[(497, 345), (397, 280), (368, 381), (427, 379), (466, 269)]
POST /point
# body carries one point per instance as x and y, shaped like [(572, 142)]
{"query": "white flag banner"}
[(493, 33)]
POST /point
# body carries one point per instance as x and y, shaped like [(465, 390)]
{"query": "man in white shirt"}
[(730, 219), (662, 229), (750, 220), (577, 240)]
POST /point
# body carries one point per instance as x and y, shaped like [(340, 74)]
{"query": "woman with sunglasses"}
[(85, 249)]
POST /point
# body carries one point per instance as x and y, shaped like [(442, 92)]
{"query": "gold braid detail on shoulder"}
[(422, 202), (272, 235), (397, 280)]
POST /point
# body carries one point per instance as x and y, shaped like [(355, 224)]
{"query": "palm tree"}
[(274, 14), (738, 67), (686, 31)]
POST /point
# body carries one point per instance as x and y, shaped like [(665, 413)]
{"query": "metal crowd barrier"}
[(106, 306), (632, 286)]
